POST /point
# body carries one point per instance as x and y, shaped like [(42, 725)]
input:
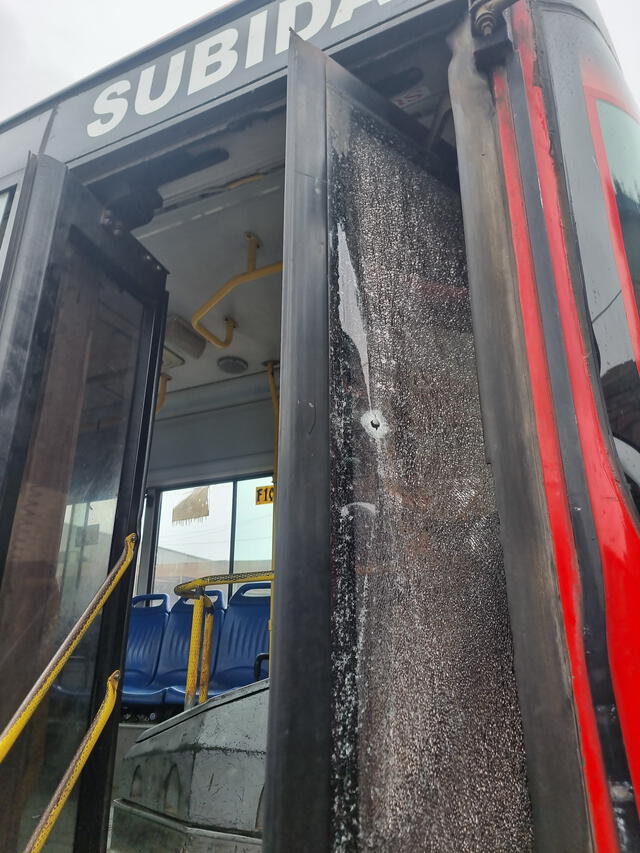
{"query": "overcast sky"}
[(46, 45)]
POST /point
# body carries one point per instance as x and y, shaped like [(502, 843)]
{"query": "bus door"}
[(81, 319), (394, 719)]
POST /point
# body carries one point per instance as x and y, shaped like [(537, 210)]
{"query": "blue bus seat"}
[(146, 627), (171, 675), (245, 635), (146, 630)]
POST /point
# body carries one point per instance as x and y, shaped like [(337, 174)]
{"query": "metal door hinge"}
[(486, 16), (489, 30)]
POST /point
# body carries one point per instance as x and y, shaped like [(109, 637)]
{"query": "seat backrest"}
[(147, 622), (174, 653), (245, 634), (219, 614)]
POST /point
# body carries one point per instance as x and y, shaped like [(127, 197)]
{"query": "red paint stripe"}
[(604, 86), (554, 484), (615, 225), (616, 528)]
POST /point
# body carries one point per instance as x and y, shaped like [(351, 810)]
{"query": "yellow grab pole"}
[(276, 419), (193, 589), (205, 665), (61, 795), (162, 391), (252, 274), (276, 430), (270, 623), (194, 651), (252, 250), (39, 690)]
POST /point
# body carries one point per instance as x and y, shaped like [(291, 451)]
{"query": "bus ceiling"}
[(191, 186)]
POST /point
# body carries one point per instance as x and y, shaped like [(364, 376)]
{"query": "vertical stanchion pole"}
[(276, 428), (194, 650), (205, 665)]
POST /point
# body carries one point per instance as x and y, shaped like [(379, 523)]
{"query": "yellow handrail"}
[(252, 274), (185, 589), (39, 690), (205, 665), (61, 795), (195, 589), (201, 600)]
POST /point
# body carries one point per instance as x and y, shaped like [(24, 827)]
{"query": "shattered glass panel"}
[(427, 736)]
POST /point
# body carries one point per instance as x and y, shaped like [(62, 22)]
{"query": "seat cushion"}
[(150, 695)]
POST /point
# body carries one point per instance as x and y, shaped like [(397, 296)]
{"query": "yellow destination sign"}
[(264, 494)]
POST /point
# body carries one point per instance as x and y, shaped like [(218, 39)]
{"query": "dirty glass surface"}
[(61, 536), (427, 740)]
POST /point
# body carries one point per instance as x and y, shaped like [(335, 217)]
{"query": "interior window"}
[(194, 535), (213, 529), (253, 528)]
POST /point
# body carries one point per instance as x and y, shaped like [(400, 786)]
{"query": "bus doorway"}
[(380, 563)]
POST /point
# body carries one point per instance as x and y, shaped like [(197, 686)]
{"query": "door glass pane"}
[(194, 536), (6, 197), (62, 534), (254, 526), (427, 737)]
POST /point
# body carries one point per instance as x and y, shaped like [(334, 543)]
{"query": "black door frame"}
[(298, 744), (54, 208), (299, 762)]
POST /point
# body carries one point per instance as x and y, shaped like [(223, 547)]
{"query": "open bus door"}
[(81, 319), (390, 610)]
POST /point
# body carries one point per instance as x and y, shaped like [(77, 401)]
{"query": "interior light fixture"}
[(232, 364)]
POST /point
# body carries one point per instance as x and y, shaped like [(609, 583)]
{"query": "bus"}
[(335, 303)]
